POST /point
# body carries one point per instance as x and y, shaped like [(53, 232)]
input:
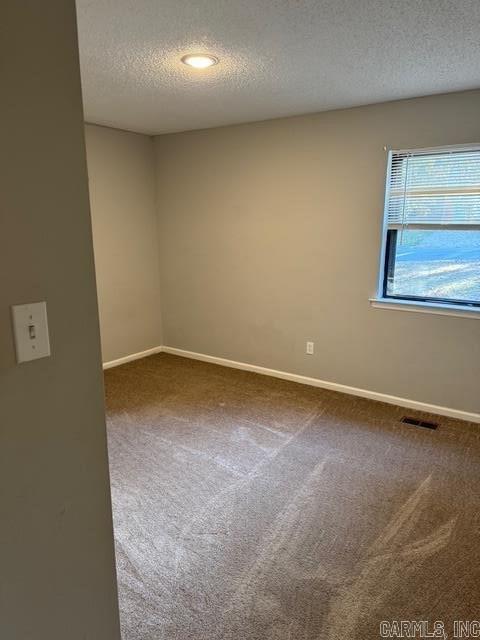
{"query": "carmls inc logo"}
[(426, 629)]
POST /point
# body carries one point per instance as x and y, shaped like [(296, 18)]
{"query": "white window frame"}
[(398, 304)]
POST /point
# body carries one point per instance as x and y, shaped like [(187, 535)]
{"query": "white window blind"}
[(437, 189)]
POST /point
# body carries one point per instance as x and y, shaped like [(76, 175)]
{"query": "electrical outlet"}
[(310, 348)]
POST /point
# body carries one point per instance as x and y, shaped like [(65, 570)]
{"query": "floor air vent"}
[(419, 423)]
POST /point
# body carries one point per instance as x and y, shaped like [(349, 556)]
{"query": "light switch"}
[(30, 327)]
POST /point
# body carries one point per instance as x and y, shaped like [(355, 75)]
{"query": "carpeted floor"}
[(250, 508)]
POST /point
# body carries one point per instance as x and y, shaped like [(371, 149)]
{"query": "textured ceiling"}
[(277, 57)]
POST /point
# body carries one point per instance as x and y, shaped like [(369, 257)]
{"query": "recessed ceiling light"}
[(199, 60)]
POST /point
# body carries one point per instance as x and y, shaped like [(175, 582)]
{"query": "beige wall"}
[(270, 236), (122, 195), (57, 576)]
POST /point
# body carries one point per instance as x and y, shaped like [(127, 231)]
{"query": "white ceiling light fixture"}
[(200, 60)]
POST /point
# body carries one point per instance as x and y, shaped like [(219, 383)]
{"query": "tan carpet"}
[(247, 507)]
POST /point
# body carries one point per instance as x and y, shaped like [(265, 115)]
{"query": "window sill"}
[(426, 307)]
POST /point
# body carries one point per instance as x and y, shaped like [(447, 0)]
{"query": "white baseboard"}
[(131, 357), (324, 384), (294, 377)]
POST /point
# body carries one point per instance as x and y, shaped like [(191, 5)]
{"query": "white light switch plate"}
[(30, 327)]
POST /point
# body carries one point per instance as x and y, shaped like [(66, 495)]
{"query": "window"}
[(431, 244)]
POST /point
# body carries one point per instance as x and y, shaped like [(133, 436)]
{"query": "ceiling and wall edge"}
[(309, 114)]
